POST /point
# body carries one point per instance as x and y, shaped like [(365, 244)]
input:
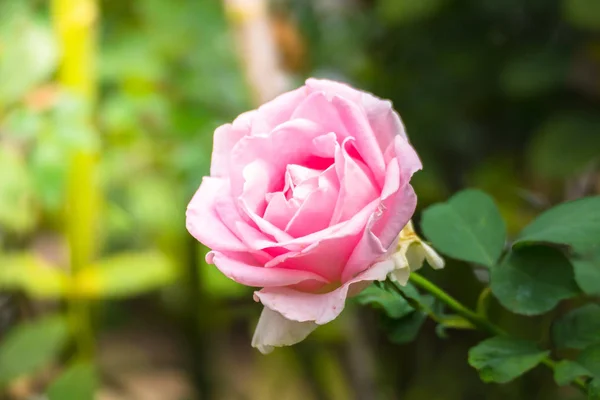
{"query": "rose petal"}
[(203, 221), (258, 179), (432, 257), (380, 113), (289, 143), (395, 209), (263, 225), (333, 88), (277, 111), (325, 252), (315, 211), (273, 330), (384, 121), (280, 210), (245, 270), (318, 108), (405, 155), (225, 139), (356, 188), (326, 145), (319, 308), (357, 126)]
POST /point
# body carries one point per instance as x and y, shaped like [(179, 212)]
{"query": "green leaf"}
[(578, 328), (587, 272), (575, 224), (31, 346), (16, 192), (49, 171), (502, 359), (406, 329), (32, 275), (29, 52), (582, 13), (125, 275), (78, 382), (566, 371), (532, 280), (589, 358), (594, 389), (468, 227), (410, 292), (394, 305)]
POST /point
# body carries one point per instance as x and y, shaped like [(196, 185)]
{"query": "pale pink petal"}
[(358, 127), (405, 155), (225, 139), (325, 146), (253, 239), (247, 271), (300, 173), (395, 209), (356, 187), (316, 209), (277, 111), (280, 210), (273, 330), (318, 108), (384, 121), (263, 225), (333, 88), (314, 213), (325, 252), (319, 308), (259, 179), (289, 143), (203, 222), (301, 191)]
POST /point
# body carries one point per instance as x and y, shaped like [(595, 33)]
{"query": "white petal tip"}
[(400, 275), (432, 257), (274, 330)]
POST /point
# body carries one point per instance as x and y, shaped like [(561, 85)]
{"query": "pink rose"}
[(306, 199)]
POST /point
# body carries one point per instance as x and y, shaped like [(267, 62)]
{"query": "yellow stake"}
[(75, 27)]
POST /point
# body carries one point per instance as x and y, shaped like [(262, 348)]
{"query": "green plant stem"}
[(74, 24), (478, 320)]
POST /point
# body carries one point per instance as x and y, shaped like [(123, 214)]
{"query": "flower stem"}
[(476, 319)]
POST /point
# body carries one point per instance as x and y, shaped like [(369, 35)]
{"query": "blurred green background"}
[(107, 110)]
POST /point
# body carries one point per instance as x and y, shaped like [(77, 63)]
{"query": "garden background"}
[(107, 109)]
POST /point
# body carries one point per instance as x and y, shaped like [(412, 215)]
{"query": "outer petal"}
[(333, 88), (277, 111), (357, 126), (225, 139), (245, 270), (319, 308), (203, 221), (384, 121), (317, 107), (432, 257), (325, 252), (395, 209), (273, 330)]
